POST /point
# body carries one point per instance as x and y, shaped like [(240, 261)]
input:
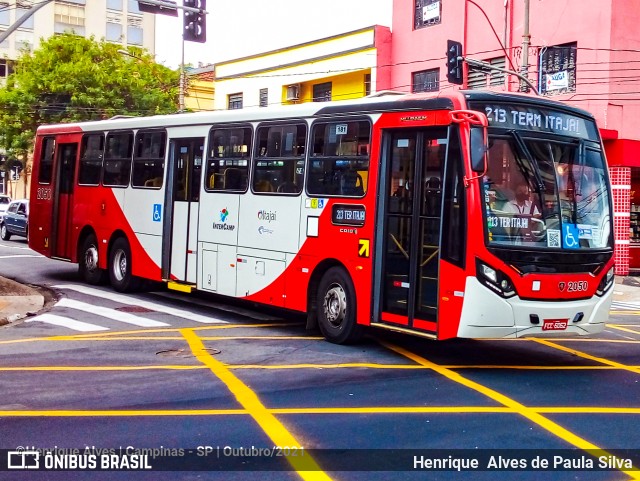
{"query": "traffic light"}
[(454, 62), (195, 27)]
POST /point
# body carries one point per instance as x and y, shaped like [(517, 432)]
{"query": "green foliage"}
[(72, 79)]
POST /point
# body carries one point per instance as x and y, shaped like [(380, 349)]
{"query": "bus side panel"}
[(450, 301)]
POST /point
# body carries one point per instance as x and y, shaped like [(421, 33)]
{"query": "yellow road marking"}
[(321, 410), (625, 329), (521, 409), (276, 367), (306, 468), (588, 356)]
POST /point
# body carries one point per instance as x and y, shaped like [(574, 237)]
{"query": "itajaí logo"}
[(222, 225)]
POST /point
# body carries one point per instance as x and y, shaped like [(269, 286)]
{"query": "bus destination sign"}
[(345, 214), (537, 119)]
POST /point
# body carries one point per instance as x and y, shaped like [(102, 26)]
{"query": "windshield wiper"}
[(527, 154)]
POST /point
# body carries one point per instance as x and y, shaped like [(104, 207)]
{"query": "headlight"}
[(495, 279), (606, 282)]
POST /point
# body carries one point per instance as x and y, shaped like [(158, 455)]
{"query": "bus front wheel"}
[(337, 307), (88, 262), (120, 267)]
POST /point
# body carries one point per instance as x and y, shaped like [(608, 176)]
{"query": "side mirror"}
[(478, 149)]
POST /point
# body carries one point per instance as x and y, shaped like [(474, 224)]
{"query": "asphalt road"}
[(264, 399)]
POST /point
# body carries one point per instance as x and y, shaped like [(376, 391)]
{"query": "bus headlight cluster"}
[(495, 279), (606, 282)]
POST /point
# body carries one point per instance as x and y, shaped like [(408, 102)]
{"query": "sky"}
[(239, 28)]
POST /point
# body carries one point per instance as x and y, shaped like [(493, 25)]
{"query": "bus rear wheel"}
[(120, 267), (337, 308), (88, 262)]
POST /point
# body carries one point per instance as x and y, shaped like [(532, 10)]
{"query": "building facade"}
[(580, 52), (117, 21), (350, 65)]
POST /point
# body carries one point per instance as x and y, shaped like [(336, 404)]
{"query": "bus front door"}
[(410, 241), (180, 230), (63, 205)]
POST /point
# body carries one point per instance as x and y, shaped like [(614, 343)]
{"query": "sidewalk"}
[(18, 300)]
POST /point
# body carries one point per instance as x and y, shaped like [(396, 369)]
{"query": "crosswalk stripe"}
[(216, 305), (19, 255), (132, 301), (628, 306), (67, 322), (110, 313)]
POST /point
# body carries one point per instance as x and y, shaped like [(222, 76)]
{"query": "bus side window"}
[(116, 168), (91, 159), (279, 164), (339, 165), (228, 159), (148, 159)]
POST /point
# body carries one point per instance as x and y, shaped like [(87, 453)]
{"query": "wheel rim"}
[(91, 258), (335, 305), (3, 230), (120, 265)]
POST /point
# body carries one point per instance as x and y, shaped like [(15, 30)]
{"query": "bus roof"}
[(383, 102)]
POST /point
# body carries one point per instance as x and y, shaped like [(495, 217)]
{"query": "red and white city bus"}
[(466, 214)]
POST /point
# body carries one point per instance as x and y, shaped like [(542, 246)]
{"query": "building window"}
[(367, 84), (22, 8), (427, 13), (558, 69), (234, 101), (114, 32), (264, 97), (134, 35), (426, 81), (6, 68), (479, 78), (5, 14), (114, 5), (133, 7), (322, 92), (73, 15)]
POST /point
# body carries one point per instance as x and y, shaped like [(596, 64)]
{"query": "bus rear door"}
[(411, 209), (180, 231), (65, 165)]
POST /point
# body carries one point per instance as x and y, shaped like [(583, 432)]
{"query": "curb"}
[(14, 307)]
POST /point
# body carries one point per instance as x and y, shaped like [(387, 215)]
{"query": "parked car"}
[(16, 220), (5, 200)]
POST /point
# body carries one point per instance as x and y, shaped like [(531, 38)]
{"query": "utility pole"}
[(526, 41)]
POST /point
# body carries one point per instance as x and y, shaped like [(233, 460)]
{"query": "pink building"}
[(582, 52)]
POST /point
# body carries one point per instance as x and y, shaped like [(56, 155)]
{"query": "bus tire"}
[(120, 267), (88, 262), (4, 233), (336, 305)]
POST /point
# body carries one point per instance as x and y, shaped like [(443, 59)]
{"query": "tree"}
[(72, 79)]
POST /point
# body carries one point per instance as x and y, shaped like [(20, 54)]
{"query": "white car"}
[(4, 203)]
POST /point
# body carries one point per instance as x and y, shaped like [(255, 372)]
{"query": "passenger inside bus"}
[(263, 186)]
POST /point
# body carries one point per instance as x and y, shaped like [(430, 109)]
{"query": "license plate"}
[(555, 324)]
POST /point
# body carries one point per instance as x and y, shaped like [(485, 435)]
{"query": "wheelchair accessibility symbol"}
[(570, 236), (157, 212)]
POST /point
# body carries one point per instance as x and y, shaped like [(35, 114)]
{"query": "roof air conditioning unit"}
[(293, 92)]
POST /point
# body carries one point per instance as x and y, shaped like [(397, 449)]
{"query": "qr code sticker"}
[(553, 238)]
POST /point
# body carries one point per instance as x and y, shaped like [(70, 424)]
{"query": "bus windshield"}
[(545, 193)]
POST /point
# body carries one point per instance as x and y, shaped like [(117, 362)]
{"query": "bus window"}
[(91, 159), (148, 159), (279, 163), (117, 159), (339, 163), (46, 160), (228, 159)]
